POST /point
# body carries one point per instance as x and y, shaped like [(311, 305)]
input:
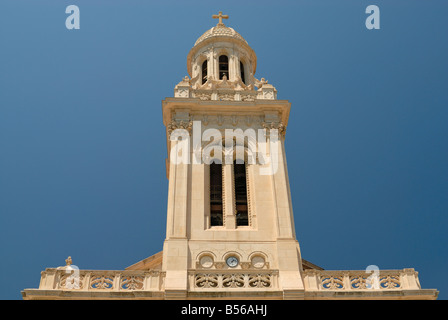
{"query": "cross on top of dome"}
[(220, 16)]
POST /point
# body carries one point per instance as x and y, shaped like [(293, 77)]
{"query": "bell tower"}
[(230, 227)]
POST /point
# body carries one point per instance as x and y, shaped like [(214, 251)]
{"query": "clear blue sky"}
[(82, 144)]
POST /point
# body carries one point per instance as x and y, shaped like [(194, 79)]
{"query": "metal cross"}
[(220, 16)]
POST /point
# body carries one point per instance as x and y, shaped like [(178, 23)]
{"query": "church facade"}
[(230, 230)]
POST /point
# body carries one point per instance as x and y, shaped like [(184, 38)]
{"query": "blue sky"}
[(82, 161)]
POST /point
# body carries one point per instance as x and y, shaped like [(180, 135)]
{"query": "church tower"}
[(230, 226)]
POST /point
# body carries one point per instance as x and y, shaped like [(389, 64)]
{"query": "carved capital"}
[(173, 125), (274, 125)]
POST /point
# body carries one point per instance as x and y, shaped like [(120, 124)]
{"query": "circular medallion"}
[(258, 262), (206, 262), (232, 261)]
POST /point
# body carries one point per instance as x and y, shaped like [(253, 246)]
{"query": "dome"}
[(220, 30), (216, 41)]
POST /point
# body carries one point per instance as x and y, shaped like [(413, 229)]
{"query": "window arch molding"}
[(258, 260), (206, 259), (216, 149), (245, 151), (231, 253), (257, 254), (219, 52), (199, 60), (205, 253)]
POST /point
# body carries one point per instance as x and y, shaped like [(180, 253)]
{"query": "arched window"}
[(223, 67), (242, 72), (204, 72), (242, 212), (216, 208)]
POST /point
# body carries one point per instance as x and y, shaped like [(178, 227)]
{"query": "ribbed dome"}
[(221, 40), (220, 31)]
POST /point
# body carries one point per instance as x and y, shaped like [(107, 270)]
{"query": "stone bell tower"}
[(230, 227)]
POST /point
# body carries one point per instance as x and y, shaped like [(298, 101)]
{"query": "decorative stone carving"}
[(357, 280), (245, 265), (260, 281), (204, 96), (248, 97), (183, 88), (233, 281), (267, 92), (154, 273), (332, 283), (102, 281), (131, 283), (226, 97), (259, 83), (274, 125), (390, 282), (220, 265), (71, 282), (173, 125), (220, 120), (234, 120), (204, 280)]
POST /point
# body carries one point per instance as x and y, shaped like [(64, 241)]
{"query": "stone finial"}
[(68, 261)]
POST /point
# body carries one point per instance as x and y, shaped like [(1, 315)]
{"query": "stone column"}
[(228, 196), (175, 249)]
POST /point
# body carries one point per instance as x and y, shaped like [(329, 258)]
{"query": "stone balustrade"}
[(152, 280), (70, 283), (233, 279), (317, 280), (73, 279), (69, 278)]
